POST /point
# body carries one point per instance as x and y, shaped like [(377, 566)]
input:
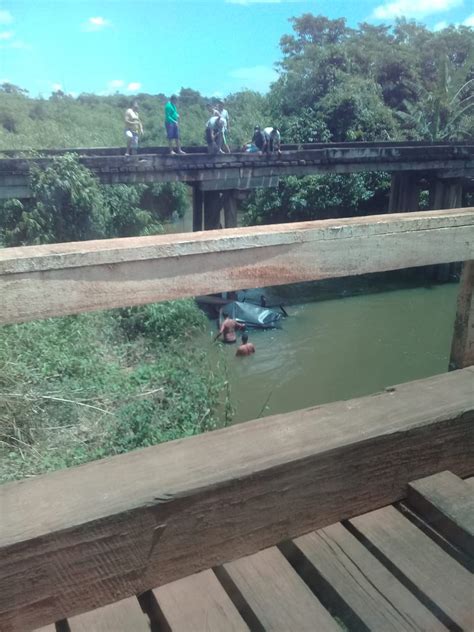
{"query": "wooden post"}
[(197, 208), (404, 193), (212, 210), (462, 347), (230, 208), (445, 194)]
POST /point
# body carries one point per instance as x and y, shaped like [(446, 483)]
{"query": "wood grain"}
[(432, 571), (80, 538), (59, 279), (447, 503), (197, 603), (379, 600), (274, 592), (123, 616), (462, 348)]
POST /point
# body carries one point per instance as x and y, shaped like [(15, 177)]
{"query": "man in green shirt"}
[(172, 125)]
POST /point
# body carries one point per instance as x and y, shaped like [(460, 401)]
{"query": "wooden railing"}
[(77, 539)]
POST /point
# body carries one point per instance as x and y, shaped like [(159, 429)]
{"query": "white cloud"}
[(5, 17), (255, 77), (134, 86), (96, 24), (413, 8), (6, 35), (116, 83), (469, 21), (439, 26), (56, 86)]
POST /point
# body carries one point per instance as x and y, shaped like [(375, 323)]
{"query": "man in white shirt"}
[(272, 140), (214, 129), (224, 114), (133, 128)]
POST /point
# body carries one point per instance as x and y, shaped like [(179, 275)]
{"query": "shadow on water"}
[(337, 349)]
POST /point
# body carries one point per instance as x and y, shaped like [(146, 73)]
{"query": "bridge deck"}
[(385, 570), (245, 170)]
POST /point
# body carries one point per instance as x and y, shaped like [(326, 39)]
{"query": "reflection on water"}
[(338, 349)]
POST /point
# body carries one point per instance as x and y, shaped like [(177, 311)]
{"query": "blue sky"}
[(214, 46)]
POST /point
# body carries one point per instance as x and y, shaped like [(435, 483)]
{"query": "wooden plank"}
[(59, 279), (196, 603), (447, 503), (377, 598), (86, 536), (277, 596), (462, 348), (430, 570), (123, 616)]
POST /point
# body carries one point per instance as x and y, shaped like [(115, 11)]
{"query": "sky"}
[(159, 46)]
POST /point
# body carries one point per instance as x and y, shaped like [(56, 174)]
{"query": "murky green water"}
[(342, 348)]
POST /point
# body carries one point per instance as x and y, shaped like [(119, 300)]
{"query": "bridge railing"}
[(77, 539)]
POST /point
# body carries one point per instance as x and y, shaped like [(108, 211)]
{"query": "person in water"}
[(246, 348), (227, 330)]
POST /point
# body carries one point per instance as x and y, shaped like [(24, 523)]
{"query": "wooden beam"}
[(60, 279), (462, 347), (446, 502), (80, 538), (419, 563)]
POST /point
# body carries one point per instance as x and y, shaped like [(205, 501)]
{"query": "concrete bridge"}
[(446, 169)]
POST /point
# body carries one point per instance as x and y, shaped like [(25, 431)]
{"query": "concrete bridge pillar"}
[(207, 207), (404, 193)]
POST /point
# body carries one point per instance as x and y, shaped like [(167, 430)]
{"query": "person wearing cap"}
[(172, 125), (133, 128)]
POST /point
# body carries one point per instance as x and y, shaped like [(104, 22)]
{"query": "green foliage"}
[(76, 389), (162, 322), (69, 204), (317, 197)]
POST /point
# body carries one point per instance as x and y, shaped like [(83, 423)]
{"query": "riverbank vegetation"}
[(89, 386)]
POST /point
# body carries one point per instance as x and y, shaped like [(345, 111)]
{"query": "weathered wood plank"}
[(59, 279), (276, 595), (430, 570), (462, 348), (123, 616), (196, 603), (114, 528), (447, 503), (377, 598)]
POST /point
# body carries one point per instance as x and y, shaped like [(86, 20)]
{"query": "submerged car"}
[(253, 316)]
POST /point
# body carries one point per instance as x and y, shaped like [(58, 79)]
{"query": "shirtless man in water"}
[(246, 348), (227, 330)]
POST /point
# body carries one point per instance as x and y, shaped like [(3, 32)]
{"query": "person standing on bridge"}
[(172, 125), (272, 140), (224, 115), (133, 128), (214, 134)]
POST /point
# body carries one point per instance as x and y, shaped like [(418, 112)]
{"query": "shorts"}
[(133, 136), (172, 131)]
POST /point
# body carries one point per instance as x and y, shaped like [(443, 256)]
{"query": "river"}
[(338, 349)]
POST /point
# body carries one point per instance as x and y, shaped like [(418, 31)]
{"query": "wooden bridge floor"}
[(404, 567)]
